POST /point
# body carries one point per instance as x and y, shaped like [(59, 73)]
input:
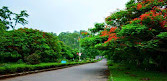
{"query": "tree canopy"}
[(135, 35)]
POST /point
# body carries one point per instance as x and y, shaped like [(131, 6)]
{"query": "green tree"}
[(11, 19), (70, 39), (20, 43), (98, 27), (136, 35)]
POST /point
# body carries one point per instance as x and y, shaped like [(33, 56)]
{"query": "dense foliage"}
[(89, 49), (70, 39), (136, 35), (75, 41), (19, 44), (23, 43)]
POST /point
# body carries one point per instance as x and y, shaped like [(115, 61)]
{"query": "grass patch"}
[(8, 68), (121, 73)]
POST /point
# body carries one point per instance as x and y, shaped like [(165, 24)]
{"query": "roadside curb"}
[(38, 71)]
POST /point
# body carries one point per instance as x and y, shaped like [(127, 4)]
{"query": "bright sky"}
[(64, 15)]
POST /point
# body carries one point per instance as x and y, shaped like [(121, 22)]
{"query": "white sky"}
[(64, 15)]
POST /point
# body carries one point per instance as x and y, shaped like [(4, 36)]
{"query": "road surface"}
[(86, 72)]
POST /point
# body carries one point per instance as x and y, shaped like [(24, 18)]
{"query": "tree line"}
[(33, 46)]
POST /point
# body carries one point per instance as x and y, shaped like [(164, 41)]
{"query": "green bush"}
[(33, 59), (20, 61)]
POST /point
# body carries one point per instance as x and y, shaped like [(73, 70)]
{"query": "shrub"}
[(33, 59), (20, 61)]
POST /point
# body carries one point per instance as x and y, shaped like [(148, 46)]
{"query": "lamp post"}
[(79, 47)]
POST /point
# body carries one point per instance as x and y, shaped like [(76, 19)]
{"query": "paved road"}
[(86, 72)]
